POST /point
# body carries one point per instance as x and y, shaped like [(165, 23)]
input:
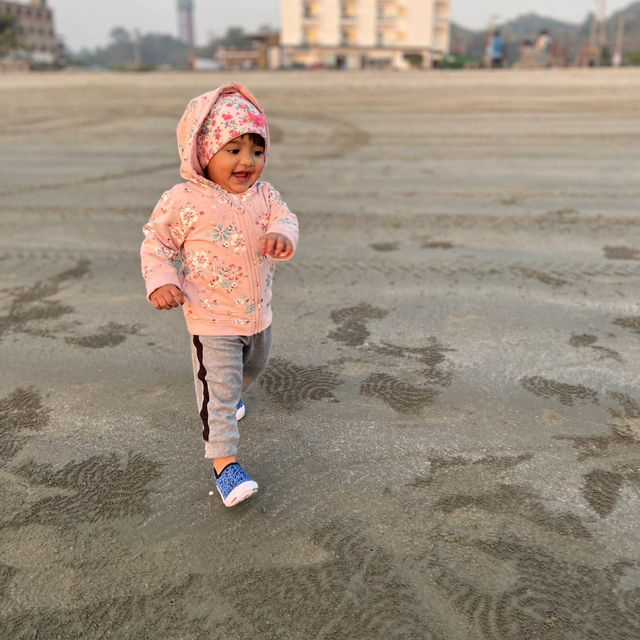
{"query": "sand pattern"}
[(447, 437)]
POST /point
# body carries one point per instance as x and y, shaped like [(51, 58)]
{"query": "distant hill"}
[(568, 37), (532, 23)]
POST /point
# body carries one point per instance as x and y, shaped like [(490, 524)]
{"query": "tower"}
[(185, 22), (598, 35), (591, 54)]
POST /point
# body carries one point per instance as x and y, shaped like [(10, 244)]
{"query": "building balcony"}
[(389, 38), (386, 19)]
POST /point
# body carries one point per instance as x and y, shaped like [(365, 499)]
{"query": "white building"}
[(360, 34)]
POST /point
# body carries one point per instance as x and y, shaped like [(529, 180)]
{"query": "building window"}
[(442, 12), (386, 10), (310, 36), (386, 37), (347, 36), (348, 9), (311, 9)]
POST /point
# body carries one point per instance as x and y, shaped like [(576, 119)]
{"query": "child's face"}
[(237, 165)]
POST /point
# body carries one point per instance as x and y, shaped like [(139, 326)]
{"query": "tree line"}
[(132, 49)]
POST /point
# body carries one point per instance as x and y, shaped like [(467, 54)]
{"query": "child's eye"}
[(259, 152), (234, 151)]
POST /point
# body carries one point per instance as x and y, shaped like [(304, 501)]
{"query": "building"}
[(262, 53), (35, 29), (361, 34)]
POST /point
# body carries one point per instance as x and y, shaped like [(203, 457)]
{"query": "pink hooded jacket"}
[(204, 239)]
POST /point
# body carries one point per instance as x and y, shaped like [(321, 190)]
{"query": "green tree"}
[(120, 36), (235, 37), (127, 51), (632, 58), (9, 38)]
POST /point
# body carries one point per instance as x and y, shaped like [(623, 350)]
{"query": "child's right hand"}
[(168, 296)]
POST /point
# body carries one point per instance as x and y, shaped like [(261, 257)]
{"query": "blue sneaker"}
[(234, 485), (240, 410)]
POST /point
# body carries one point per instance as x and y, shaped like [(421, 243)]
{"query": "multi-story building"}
[(360, 34), (35, 29)]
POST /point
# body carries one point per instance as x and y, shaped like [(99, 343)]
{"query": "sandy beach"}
[(447, 438)]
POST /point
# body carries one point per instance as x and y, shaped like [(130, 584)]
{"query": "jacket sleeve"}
[(281, 220), (163, 237)]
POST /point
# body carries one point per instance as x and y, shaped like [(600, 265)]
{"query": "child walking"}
[(224, 229)]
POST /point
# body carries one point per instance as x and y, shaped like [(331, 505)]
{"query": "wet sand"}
[(447, 439)]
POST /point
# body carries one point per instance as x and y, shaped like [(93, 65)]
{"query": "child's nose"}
[(246, 159)]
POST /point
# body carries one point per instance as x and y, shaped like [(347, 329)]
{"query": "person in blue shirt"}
[(496, 50)]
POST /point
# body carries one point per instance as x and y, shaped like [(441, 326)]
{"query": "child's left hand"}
[(276, 246)]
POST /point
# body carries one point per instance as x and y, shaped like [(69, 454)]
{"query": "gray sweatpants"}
[(220, 363)]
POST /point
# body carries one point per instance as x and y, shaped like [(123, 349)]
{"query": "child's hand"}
[(168, 296), (276, 246)]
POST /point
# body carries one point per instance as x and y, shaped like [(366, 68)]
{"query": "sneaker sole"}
[(240, 413), (240, 493)]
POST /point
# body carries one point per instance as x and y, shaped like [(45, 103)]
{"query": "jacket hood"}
[(192, 120)]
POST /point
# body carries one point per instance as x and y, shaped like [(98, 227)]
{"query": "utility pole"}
[(601, 11), (617, 54), (137, 55), (591, 54)]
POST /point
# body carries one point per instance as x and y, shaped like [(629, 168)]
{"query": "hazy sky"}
[(87, 24)]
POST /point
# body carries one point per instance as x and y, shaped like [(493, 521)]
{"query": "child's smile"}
[(237, 165)]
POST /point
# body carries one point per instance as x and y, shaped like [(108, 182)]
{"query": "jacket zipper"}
[(254, 275)]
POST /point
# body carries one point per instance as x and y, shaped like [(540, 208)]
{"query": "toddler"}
[(210, 246)]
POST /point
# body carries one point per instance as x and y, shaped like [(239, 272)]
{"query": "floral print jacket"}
[(205, 240)]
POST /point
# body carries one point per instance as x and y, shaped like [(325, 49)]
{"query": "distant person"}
[(543, 42), (227, 228), (496, 50), (543, 48), (526, 56)]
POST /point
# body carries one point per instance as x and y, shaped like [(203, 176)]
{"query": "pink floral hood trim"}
[(213, 119), (231, 116)]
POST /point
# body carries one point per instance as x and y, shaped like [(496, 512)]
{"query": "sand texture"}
[(447, 438)]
